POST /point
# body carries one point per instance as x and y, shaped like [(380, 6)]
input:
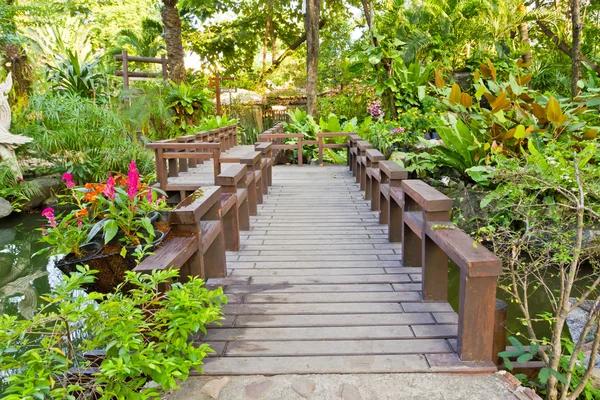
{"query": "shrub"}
[(143, 334)]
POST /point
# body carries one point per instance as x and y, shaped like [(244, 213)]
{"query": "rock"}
[(213, 388), (51, 201), (46, 185), (304, 387), (595, 379), (257, 389), (350, 392), (6, 236), (5, 208), (152, 385)]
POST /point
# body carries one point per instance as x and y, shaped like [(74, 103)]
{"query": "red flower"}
[(68, 178)]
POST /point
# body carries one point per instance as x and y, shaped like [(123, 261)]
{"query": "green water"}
[(24, 277)]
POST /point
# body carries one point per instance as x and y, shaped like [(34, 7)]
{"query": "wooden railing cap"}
[(333, 134), (231, 176), (374, 155), (427, 197), (263, 146), (251, 158), (183, 145), (393, 170), (281, 135), (473, 258), (364, 145), (193, 207)]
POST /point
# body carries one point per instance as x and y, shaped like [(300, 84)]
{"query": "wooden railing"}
[(419, 216)]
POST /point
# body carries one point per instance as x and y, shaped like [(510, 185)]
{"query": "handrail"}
[(419, 216)]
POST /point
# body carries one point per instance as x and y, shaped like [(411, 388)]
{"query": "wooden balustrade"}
[(373, 156), (322, 136), (391, 198), (255, 167), (277, 140), (351, 152), (419, 216), (266, 148), (361, 163), (198, 245)]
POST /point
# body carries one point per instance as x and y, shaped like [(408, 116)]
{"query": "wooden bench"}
[(391, 200), (198, 248), (374, 156), (322, 136), (361, 163), (429, 240)]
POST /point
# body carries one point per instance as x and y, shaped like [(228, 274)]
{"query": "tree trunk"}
[(524, 32), (267, 34), (313, 11), (175, 54), (576, 46), (564, 47)]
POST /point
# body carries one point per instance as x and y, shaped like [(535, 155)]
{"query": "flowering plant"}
[(126, 208), (376, 110), (66, 236), (121, 204)]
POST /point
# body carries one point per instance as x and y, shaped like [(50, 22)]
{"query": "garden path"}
[(317, 288)]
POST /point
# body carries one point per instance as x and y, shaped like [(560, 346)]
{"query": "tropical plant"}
[(82, 137), (541, 209), (216, 121), (189, 103), (142, 333), (301, 122), (148, 43)]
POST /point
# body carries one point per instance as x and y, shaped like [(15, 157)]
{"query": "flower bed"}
[(111, 226)]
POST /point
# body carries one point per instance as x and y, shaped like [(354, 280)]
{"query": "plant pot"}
[(88, 250), (159, 238)]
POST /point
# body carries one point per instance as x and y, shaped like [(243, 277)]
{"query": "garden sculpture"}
[(8, 141)]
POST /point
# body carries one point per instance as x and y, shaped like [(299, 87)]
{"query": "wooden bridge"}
[(332, 269)]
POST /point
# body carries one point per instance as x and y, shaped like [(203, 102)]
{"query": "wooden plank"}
[(313, 333), (341, 347), (393, 170), (341, 320), (282, 288), (299, 272), (427, 197), (327, 279), (475, 260), (378, 297), (435, 331), (311, 308), (174, 252)]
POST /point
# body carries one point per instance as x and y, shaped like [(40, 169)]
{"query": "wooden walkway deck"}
[(317, 288)]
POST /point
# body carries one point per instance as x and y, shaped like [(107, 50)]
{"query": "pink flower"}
[(133, 180), (68, 178), (49, 213), (44, 231), (109, 190), (396, 131), (79, 223), (149, 195)]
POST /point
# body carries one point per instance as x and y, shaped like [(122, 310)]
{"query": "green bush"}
[(81, 136), (143, 333)]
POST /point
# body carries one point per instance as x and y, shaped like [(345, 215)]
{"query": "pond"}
[(24, 277)]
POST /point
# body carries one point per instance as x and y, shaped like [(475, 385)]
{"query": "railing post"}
[(320, 144), (300, 155), (352, 152), (499, 330), (255, 191), (209, 261), (361, 162), (373, 157), (476, 317)]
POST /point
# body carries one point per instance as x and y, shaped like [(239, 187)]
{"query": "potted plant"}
[(110, 226)]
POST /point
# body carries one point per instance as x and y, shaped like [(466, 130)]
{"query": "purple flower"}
[(68, 178), (149, 195), (395, 131), (133, 180), (376, 110)]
